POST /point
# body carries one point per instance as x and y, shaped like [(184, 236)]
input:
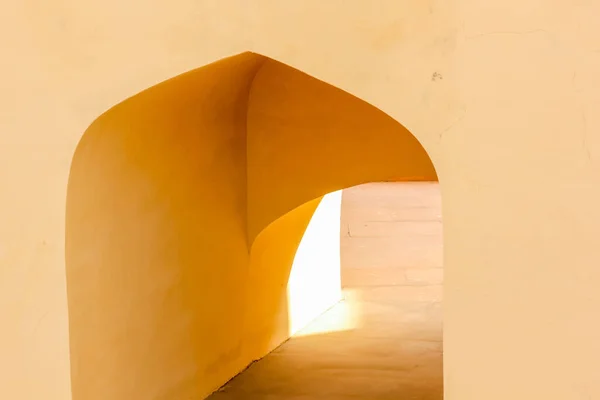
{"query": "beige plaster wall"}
[(502, 94)]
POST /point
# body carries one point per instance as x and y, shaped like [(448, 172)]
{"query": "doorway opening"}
[(192, 210)]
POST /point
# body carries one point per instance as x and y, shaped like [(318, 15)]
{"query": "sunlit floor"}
[(384, 341)]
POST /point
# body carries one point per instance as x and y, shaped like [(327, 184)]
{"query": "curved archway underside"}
[(186, 205)]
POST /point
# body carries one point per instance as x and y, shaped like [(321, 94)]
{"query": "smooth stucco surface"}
[(503, 95)]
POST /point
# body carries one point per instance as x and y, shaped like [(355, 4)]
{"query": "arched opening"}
[(186, 206), (383, 340)]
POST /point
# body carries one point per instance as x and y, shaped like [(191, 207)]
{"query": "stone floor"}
[(384, 341)]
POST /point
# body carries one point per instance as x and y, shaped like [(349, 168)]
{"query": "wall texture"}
[(504, 96)]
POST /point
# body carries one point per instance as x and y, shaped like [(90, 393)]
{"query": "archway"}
[(186, 204)]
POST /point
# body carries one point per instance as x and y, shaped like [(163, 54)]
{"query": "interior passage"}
[(384, 340)]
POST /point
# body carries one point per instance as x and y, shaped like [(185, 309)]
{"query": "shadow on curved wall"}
[(186, 206)]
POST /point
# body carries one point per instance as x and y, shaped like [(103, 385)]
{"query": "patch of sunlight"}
[(314, 284), (344, 316)]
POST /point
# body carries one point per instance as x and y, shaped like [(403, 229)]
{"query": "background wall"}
[(503, 95)]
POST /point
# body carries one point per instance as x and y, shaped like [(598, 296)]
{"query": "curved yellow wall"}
[(168, 296), (293, 275), (156, 239), (320, 139)]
